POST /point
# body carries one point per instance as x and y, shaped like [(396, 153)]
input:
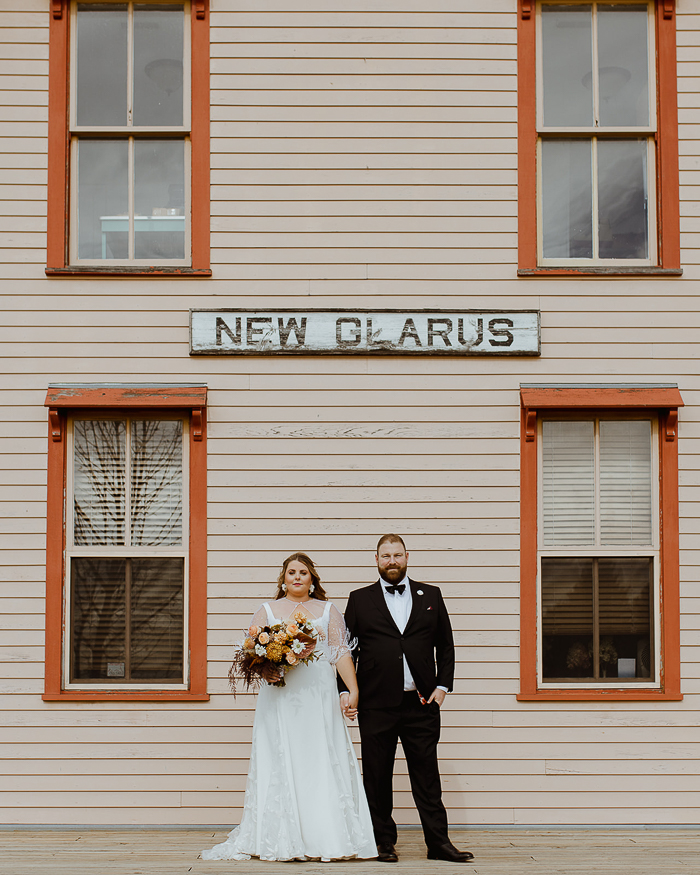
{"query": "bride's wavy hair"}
[(318, 593)]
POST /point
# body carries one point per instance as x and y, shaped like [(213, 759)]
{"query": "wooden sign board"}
[(364, 332)]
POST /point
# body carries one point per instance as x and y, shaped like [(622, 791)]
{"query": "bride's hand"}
[(349, 704), (271, 674)]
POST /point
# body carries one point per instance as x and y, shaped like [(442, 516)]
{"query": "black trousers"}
[(418, 728)]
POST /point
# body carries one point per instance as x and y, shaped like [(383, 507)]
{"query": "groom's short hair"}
[(390, 539)]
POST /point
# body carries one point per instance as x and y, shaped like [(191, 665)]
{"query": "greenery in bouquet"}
[(274, 650)]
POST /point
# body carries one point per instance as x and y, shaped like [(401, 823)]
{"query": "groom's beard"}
[(393, 575)]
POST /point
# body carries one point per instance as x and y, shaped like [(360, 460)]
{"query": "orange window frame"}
[(665, 401), (667, 181), (58, 193), (191, 400)]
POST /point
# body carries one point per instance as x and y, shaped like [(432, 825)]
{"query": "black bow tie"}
[(392, 588)]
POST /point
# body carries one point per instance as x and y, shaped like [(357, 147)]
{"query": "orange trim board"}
[(126, 396), (667, 174), (665, 400), (123, 398), (58, 193)]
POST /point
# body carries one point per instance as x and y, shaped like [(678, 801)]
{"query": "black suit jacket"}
[(426, 642)]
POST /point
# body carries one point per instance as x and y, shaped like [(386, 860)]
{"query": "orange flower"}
[(280, 637), (263, 638), (253, 631), (291, 659), (299, 616), (291, 629), (249, 644)]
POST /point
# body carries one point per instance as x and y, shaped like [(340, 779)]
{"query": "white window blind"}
[(99, 487), (625, 482), (155, 486), (156, 483), (620, 483), (568, 480)]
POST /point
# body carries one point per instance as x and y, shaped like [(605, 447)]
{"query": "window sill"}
[(93, 270), (600, 696), (123, 696), (600, 271)]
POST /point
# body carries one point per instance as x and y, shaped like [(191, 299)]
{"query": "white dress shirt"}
[(400, 604)]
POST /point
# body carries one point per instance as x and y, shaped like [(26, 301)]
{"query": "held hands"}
[(348, 704)]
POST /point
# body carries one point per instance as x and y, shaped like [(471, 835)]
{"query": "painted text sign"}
[(366, 332)]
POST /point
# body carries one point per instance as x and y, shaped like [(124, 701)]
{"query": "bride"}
[(304, 797)]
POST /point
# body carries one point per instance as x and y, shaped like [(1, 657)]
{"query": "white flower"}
[(297, 646), (260, 650)]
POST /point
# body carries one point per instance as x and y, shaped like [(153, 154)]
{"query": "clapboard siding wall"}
[(363, 157)]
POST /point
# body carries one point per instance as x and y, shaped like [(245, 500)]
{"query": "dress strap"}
[(326, 610), (270, 615)]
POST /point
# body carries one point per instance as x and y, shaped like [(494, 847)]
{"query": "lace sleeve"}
[(259, 617), (339, 643)]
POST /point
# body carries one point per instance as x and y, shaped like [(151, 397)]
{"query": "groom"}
[(405, 667)]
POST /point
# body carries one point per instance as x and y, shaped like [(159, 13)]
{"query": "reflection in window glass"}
[(623, 66), (101, 79), (567, 199), (623, 199), (159, 186), (158, 68), (156, 482), (566, 65), (103, 214), (99, 482)]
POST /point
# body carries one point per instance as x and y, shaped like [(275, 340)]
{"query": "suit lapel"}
[(377, 596), (415, 607)]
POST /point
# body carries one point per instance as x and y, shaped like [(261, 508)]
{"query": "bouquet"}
[(277, 648)]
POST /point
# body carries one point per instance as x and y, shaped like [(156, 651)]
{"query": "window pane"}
[(567, 61), (156, 483), (623, 65), (159, 187), (101, 97), (622, 199), (99, 482), (158, 54), (567, 199), (98, 628), (157, 618), (625, 617), (568, 482), (103, 221), (622, 589), (625, 482), (567, 618)]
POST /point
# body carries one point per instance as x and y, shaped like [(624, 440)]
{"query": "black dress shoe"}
[(386, 853), (450, 853)]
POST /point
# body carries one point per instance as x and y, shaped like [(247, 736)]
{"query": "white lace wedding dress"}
[(304, 797)]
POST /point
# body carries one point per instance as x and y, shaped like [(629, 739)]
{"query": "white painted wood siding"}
[(360, 157)]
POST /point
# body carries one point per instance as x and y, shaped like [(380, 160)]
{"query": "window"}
[(126, 578), (599, 576), (598, 130), (127, 175)]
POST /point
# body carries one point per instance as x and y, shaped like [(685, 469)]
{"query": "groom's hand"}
[(347, 706), (438, 696)]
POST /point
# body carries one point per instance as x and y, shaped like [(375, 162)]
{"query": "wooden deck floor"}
[(497, 852)]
